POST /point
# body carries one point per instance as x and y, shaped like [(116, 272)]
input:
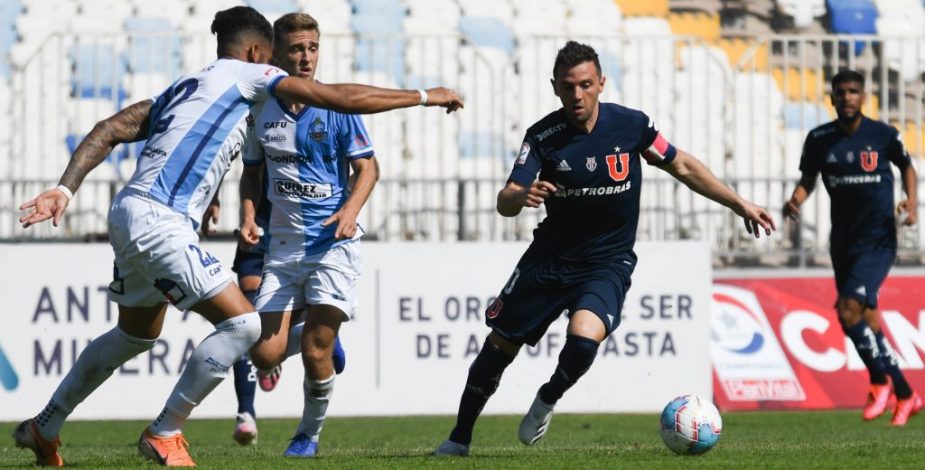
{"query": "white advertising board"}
[(419, 324)]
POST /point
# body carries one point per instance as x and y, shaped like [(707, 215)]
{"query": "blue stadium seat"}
[(378, 7), (98, 72), (380, 46), (273, 6), (804, 116), (853, 17), (485, 31), (154, 46)]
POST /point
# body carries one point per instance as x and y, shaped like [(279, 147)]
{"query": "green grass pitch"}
[(785, 440)]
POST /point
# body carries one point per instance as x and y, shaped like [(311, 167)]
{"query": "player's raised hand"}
[(444, 97), (792, 210), (346, 223), (249, 234), (756, 216), (50, 204), (908, 208), (538, 192)]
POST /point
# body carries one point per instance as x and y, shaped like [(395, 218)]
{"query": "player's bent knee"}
[(246, 327)]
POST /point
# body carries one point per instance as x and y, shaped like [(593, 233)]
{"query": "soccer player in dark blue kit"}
[(588, 156), (863, 239)]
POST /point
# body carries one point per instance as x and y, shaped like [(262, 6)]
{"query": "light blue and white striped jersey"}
[(308, 163), (197, 130)]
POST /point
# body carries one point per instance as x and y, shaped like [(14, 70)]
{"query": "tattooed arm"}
[(128, 125)]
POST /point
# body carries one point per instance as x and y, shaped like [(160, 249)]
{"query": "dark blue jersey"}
[(857, 175), (594, 212)]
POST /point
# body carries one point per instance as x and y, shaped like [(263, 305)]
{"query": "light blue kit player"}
[(313, 260), (195, 129)]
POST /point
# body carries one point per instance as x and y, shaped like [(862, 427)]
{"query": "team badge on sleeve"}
[(522, 156)]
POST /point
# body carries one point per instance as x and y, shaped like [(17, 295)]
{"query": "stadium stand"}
[(736, 82)]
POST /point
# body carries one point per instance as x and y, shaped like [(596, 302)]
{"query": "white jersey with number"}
[(197, 129)]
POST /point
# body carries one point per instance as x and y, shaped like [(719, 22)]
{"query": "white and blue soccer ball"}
[(690, 425)]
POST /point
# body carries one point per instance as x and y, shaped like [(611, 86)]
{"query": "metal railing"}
[(745, 117)]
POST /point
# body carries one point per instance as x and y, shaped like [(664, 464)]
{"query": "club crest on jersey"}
[(850, 157), (317, 129), (591, 163)]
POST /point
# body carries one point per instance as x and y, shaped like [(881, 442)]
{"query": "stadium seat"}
[(488, 32), (657, 8), (333, 15), (803, 12), (275, 7), (98, 72), (853, 17), (113, 10), (805, 115), (503, 11), (701, 25), (737, 48), (800, 84), (154, 45)]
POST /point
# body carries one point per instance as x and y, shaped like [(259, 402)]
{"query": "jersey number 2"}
[(177, 95), (624, 170)]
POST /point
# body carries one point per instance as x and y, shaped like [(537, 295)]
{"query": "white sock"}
[(294, 343), (96, 363), (317, 396), (207, 366)]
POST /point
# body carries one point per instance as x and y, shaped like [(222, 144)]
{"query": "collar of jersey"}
[(289, 112)]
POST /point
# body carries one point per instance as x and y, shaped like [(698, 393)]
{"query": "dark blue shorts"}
[(860, 275), (248, 263), (536, 294)]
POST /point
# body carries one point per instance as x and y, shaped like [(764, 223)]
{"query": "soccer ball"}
[(690, 425)]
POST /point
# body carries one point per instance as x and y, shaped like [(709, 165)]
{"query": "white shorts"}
[(158, 256), (291, 280)]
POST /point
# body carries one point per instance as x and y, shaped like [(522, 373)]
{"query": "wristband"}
[(423, 97), (67, 192)]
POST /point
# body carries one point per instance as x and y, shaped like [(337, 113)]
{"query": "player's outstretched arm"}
[(363, 99), (800, 193), (366, 173), (514, 197), (128, 125), (690, 171)]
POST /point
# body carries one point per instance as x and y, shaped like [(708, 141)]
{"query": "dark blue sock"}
[(576, 357), (866, 344), (484, 377), (339, 356), (900, 386), (245, 385)]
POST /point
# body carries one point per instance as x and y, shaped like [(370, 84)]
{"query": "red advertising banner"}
[(777, 343)]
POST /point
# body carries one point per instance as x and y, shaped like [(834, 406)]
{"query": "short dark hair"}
[(293, 22), (575, 53), (229, 25), (847, 76)]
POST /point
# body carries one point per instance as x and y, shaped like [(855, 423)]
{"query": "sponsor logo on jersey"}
[(548, 132), (271, 71), (317, 129), (823, 131), (591, 163), (563, 166), (289, 158), (273, 138), (522, 156), (152, 152), (303, 190), (836, 181), (597, 191), (274, 125)]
